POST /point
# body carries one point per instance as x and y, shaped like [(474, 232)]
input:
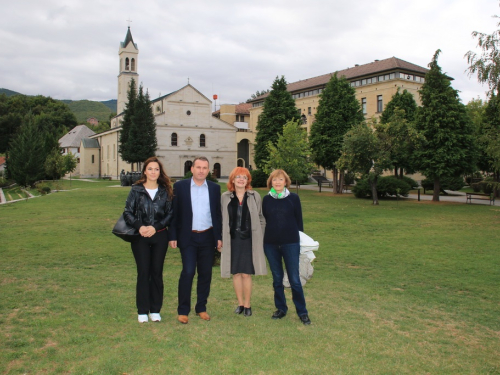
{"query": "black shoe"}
[(248, 311), (278, 314), (239, 310), (305, 319)]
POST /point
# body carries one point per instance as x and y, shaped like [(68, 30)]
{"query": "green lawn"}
[(403, 288)]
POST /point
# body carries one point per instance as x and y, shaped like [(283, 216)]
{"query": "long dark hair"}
[(163, 179)]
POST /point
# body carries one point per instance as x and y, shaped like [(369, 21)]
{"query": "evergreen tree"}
[(397, 122), (26, 157), (279, 107), (291, 153), (338, 111), (489, 137), (143, 130), (404, 101), (448, 149), (125, 148)]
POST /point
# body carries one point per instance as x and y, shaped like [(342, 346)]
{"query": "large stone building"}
[(185, 128), (71, 142), (375, 83)]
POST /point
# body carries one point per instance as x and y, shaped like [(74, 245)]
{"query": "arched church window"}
[(127, 64), (133, 65), (173, 139), (202, 140)]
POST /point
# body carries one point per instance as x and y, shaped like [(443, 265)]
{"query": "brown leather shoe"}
[(203, 315), (183, 319)]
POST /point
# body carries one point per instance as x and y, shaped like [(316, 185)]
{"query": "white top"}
[(152, 192), (200, 203)]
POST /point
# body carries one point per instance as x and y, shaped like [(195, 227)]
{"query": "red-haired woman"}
[(149, 209), (242, 236)]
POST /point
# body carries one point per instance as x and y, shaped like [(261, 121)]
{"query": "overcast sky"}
[(68, 49)]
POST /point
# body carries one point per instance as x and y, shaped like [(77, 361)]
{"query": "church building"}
[(185, 128)]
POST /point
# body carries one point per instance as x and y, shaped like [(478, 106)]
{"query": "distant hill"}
[(82, 109), (8, 92)]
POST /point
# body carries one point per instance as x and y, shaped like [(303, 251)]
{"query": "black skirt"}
[(241, 256)]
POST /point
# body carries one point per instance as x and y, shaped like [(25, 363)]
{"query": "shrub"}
[(210, 176), (411, 182), (42, 188), (486, 186), (386, 186), (349, 178), (392, 185), (259, 178), (476, 187)]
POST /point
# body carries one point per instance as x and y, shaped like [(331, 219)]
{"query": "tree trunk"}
[(373, 185), (341, 182), (437, 189), (395, 171), (334, 180), (401, 173)]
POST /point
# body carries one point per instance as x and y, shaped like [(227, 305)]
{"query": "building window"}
[(173, 139), (127, 64), (308, 110), (363, 105), (202, 140), (380, 104), (133, 65), (92, 159)]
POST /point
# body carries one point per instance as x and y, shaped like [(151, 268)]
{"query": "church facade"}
[(185, 128)]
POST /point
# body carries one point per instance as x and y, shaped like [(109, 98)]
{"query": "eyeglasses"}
[(241, 177)]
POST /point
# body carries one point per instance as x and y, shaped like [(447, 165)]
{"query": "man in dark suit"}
[(197, 229)]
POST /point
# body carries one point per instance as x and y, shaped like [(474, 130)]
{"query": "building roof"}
[(240, 109), (90, 143), (74, 136), (358, 71), (128, 39), (2, 160)]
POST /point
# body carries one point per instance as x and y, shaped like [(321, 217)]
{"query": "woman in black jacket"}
[(149, 209)]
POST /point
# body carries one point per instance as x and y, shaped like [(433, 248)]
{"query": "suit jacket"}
[(182, 222)]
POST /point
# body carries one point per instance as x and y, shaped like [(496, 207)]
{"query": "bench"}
[(323, 180), (480, 196), (107, 178)]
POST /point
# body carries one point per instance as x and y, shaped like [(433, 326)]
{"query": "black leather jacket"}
[(141, 210)]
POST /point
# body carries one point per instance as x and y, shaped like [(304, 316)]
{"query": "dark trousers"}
[(289, 254), (198, 256), (149, 254)]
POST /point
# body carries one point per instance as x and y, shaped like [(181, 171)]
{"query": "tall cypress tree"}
[(338, 111), (279, 108), (125, 148), (448, 149), (143, 130)]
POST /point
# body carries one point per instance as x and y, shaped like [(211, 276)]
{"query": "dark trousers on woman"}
[(149, 254), (198, 256), (289, 253)]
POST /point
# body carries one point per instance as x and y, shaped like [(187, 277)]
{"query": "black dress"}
[(241, 236)]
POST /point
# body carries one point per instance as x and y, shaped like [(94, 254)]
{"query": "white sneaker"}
[(155, 317), (143, 318)]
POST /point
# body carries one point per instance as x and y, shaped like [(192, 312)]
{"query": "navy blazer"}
[(180, 229)]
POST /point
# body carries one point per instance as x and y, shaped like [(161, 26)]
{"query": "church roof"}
[(358, 71), (74, 136), (90, 143), (128, 39)]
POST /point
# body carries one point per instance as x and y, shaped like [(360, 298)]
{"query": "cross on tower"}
[(129, 21)]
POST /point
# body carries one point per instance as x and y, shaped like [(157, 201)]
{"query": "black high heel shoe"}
[(248, 311), (239, 310)]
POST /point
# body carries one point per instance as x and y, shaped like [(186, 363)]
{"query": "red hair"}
[(239, 171)]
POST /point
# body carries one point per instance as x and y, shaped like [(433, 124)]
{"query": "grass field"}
[(403, 288)]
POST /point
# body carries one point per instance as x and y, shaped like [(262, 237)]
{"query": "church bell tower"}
[(128, 54)]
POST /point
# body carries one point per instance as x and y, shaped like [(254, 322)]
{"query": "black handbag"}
[(125, 231)]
